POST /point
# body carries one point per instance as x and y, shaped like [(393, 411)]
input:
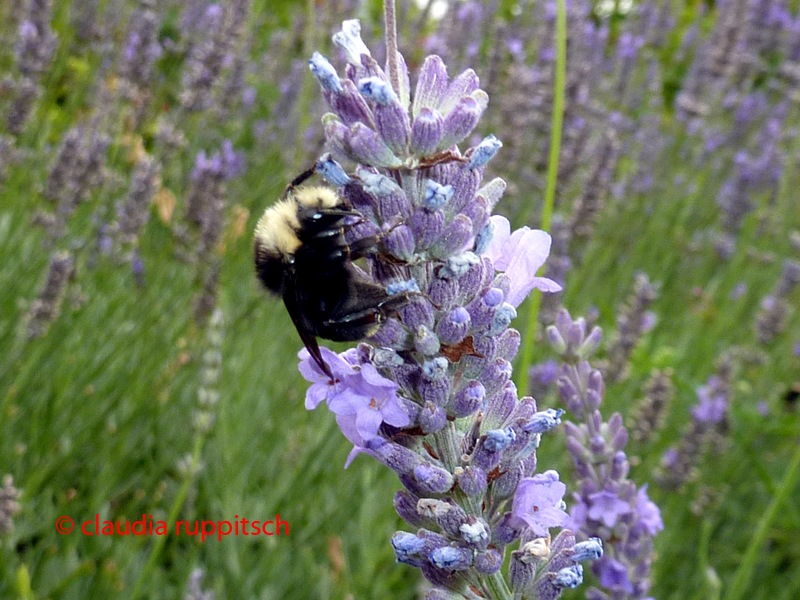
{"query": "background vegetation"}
[(109, 371)]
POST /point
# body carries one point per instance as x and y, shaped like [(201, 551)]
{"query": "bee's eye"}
[(317, 216)]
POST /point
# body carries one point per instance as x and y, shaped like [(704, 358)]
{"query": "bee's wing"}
[(304, 328)]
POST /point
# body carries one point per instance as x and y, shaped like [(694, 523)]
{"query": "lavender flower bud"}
[(332, 171), (349, 40), (368, 147), (426, 342), (417, 313), (460, 122), (620, 467), (501, 404), (478, 213), (405, 503), (379, 185), (460, 265), (450, 517), (399, 242), (472, 480), (454, 326), (556, 340), (476, 534), (432, 418), (507, 530), (436, 195), (408, 548), (401, 460), (451, 558), (543, 421), (435, 369), (400, 287), (520, 574), (45, 309), (468, 399), (488, 562), (393, 335), (482, 310), (591, 549), (484, 152), (378, 90), (426, 132), (569, 577), (427, 226), (495, 376), (432, 479), (502, 319), (325, 73), (505, 485), (431, 84)]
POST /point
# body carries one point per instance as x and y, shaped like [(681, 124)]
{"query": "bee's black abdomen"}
[(270, 269)]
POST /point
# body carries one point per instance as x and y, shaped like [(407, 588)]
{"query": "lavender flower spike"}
[(608, 505), (430, 394)]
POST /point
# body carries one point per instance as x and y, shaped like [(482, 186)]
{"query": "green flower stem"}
[(744, 574), (177, 504), (552, 180)]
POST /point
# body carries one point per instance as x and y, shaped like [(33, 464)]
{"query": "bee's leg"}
[(362, 247), (372, 315), (299, 180)]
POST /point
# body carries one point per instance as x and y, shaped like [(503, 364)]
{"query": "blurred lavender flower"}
[(594, 190), (9, 505), (775, 308), (207, 196), (431, 396), (214, 44), (45, 309), (195, 587), (542, 377), (36, 41), (7, 156), (633, 321), (34, 50), (77, 170), (210, 374), (608, 506), (141, 51), (706, 430), (134, 212), (651, 411)]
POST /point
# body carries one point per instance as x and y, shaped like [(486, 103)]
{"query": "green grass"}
[(95, 416)]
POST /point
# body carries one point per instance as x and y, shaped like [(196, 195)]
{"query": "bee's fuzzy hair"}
[(276, 230)]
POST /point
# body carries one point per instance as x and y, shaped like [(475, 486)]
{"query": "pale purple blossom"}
[(539, 501), (520, 255)]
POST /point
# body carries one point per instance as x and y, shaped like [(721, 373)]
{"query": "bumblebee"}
[(301, 254)]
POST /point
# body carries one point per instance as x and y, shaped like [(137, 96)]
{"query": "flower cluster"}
[(706, 430), (775, 308), (608, 505), (9, 507), (633, 321), (430, 396)]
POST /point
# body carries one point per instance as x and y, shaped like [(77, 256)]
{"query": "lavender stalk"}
[(608, 506), (430, 395)]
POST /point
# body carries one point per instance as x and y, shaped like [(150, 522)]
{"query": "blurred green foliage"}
[(96, 415)]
